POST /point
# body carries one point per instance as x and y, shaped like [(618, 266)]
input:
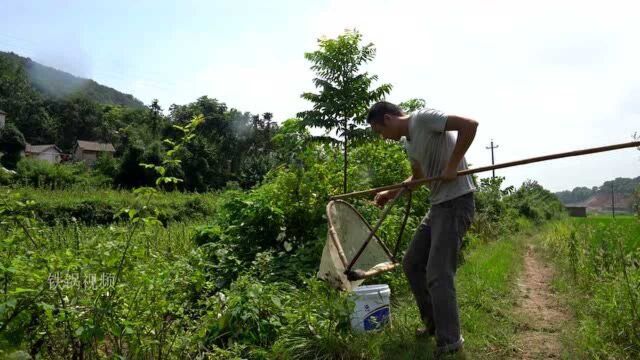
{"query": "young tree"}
[(345, 91), (155, 114)]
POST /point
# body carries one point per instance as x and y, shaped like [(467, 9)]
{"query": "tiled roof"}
[(37, 149), (95, 146)]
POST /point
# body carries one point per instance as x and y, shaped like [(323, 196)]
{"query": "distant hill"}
[(58, 84), (598, 198)]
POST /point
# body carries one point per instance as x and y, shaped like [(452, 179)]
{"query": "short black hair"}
[(378, 110)]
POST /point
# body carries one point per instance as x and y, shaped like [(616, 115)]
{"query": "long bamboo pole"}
[(495, 167)]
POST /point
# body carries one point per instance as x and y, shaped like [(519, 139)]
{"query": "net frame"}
[(336, 267)]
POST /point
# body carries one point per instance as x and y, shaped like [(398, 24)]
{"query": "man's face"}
[(384, 130)]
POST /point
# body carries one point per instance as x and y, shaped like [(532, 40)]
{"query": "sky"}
[(540, 77)]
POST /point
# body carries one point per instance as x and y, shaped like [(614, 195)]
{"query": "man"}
[(431, 259)]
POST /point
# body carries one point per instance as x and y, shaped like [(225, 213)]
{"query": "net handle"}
[(407, 210)]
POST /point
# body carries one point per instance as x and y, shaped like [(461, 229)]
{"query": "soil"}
[(539, 311)]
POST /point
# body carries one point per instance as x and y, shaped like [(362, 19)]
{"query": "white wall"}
[(51, 156)]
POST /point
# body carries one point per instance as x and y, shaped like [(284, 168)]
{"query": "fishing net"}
[(348, 231)]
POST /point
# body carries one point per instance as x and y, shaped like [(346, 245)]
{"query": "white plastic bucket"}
[(372, 309)]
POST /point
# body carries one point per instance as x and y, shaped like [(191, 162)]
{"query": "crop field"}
[(600, 261)]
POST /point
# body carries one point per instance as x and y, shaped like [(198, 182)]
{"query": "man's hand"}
[(383, 197), (449, 173)]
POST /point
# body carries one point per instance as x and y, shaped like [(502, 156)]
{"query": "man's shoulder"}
[(428, 112), (429, 119)]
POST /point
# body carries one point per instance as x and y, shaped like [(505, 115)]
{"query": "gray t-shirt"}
[(431, 147)]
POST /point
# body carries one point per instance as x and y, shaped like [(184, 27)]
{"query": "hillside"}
[(56, 84), (598, 198)]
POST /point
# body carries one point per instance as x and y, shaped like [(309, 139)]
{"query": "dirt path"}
[(540, 314)]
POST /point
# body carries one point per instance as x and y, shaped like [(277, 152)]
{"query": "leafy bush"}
[(535, 202), (40, 173), (317, 325), (107, 166), (494, 216), (7, 177), (130, 174), (251, 313)]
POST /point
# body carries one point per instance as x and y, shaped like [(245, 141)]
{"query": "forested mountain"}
[(621, 186), (56, 84), (46, 106)]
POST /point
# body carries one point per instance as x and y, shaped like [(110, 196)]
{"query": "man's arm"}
[(416, 173), (466, 129)]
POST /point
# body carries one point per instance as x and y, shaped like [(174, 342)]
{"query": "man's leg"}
[(449, 222), (414, 264)]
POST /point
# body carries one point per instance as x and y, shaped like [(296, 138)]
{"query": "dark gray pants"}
[(430, 265)]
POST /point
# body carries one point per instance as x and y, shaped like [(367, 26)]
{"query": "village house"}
[(88, 151), (50, 153)]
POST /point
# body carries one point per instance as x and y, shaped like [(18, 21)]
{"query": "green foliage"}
[(7, 177), (599, 257), (317, 325), (622, 186), (107, 166), (535, 202), (378, 163), (231, 146), (171, 159), (52, 307), (131, 174), (251, 313), (17, 97), (494, 216), (345, 92), (41, 173), (255, 221), (412, 105), (74, 118), (100, 207), (291, 140), (12, 144)]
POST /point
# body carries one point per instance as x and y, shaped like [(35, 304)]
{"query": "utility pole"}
[(493, 172), (613, 203)]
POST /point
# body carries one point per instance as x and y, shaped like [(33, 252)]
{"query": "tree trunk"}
[(344, 182)]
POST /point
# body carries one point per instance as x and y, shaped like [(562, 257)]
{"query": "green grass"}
[(98, 206), (485, 288), (609, 216), (169, 290), (600, 262)]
